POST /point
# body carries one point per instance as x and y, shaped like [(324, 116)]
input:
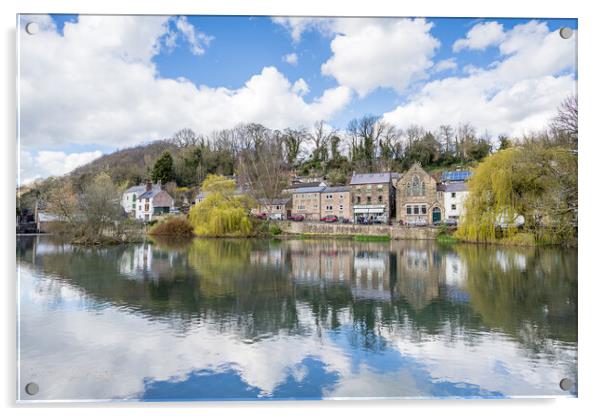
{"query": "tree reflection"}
[(261, 288)]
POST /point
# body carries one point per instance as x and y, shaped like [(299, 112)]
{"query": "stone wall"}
[(393, 231)]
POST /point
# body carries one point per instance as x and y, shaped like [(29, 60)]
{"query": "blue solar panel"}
[(458, 175)]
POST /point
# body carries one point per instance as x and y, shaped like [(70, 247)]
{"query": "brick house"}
[(336, 200), (419, 198), (373, 196)]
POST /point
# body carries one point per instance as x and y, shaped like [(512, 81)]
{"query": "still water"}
[(258, 319)]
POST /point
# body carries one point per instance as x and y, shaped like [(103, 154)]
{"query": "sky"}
[(89, 85)]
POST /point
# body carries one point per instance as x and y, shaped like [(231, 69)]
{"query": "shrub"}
[(176, 226)]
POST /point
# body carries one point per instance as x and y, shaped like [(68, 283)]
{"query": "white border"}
[(590, 155)]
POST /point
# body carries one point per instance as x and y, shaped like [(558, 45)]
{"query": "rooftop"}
[(337, 189), (456, 187), (141, 188), (275, 201), (456, 175), (308, 190), (362, 178)]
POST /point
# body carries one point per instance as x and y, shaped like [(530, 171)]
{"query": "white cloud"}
[(445, 65), (300, 87), (51, 163), (197, 40), (291, 58), (517, 95), (481, 36), (297, 25), (372, 53), (97, 84)]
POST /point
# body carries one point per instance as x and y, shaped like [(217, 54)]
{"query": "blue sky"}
[(344, 68)]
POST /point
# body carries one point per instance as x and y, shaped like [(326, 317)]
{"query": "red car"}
[(261, 216), (296, 217), (329, 218)]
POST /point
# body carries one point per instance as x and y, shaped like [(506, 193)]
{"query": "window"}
[(423, 209), (278, 207), (368, 199), (329, 196), (146, 206), (341, 196), (409, 209), (416, 209), (453, 194), (340, 207), (328, 207), (415, 187), (453, 207), (380, 199), (380, 187), (358, 200)]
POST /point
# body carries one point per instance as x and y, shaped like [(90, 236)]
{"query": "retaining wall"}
[(395, 232)]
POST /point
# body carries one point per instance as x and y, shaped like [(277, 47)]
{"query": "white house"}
[(454, 196), (154, 201), (131, 195)]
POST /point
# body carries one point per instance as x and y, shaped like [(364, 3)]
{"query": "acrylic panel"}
[(268, 208)]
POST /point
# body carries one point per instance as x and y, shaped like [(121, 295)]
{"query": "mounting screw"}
[(566, 384), (566, 32), (32, 389), (32, 28)]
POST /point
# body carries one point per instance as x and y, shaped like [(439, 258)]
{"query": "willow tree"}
[(533, 182), (221, 212)]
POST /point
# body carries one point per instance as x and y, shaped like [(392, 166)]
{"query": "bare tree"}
[(185, 138), (565, 123), (320, 138), (263, 169), (446, 135), (293, 140)]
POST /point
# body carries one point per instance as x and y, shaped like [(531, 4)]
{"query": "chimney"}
[(149, 186)]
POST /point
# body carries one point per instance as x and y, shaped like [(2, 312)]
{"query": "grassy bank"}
[(371, 238)]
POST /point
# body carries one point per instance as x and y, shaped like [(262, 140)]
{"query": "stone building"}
[(373, 196), (275, 209), (419, 199), (306, 202), (336, 200)]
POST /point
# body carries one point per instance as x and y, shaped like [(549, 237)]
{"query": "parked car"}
[(329, 218), (276, 216), (421, 223), (174, 211), (262, 216), (345, 220), (452, 222), (296, 217)]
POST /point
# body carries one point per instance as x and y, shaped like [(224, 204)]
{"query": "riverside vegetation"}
[(532, 177)]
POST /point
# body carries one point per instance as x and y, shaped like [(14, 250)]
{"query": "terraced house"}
[(373, 196), (419, 198), (336, 200), (306, 202)]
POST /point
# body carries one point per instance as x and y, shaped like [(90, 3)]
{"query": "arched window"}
[(415, 187)]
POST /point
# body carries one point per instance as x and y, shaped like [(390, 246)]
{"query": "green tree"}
[(163, 169), (221, 212), (532, 180)]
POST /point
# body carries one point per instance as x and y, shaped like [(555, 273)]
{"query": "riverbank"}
[(352, 230)]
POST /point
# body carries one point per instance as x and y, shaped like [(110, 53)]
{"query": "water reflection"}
[(239, 319)]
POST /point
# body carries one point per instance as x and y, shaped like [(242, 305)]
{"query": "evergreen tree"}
[(163, 169)]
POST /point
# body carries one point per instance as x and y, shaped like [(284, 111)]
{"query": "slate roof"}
[(369, 178), (275, 201), (337, 189), (456, 187), (140, 188), (309, 190), (299, 185)]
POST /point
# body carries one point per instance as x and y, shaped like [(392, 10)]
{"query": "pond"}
[(211, 319)]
